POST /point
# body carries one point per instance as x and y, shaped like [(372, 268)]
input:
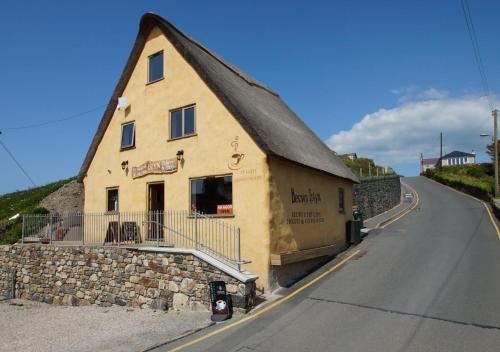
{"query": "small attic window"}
[(128, 136), (155, 67)]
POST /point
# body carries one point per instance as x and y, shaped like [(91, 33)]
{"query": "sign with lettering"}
[(224, 209), (166, 166), (310, 197), (306, 208)]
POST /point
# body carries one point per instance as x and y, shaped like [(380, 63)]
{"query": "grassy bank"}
[(23, 202), (362, 167), (476, 180)]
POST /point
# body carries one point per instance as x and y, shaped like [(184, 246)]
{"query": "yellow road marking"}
[(493, 222), (267, 308), (405, 211)]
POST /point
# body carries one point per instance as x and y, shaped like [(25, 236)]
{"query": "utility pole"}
[(495, 143), (441, 151), (370, 169)]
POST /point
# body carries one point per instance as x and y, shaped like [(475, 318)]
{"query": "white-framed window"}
[(128, 136), (183, 122), (155, 67)]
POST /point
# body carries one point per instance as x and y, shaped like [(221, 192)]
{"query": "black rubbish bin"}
[(353, 231)]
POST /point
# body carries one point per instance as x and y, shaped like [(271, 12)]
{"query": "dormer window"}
[(155, 67)]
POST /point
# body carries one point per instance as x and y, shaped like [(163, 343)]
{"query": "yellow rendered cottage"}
[(188, 137)]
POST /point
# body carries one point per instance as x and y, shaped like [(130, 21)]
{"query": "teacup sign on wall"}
[(236, 156)]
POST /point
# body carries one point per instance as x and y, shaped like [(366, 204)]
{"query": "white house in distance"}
[(426, 164), (459, 158), (450, 159)]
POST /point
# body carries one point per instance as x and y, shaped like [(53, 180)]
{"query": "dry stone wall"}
[(105, 276), (7, 282), (374, 195)]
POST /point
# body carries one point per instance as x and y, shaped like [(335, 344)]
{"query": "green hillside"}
[(22, 202), (362, 167), (478, 178)]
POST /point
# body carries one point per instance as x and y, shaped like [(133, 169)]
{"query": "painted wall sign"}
[(305, 218), (304, 201), (307, 198), (236, 157), (244, 175), (166, 166)]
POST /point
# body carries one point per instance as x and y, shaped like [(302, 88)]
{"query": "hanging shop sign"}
[(166, 166), (220, 301)]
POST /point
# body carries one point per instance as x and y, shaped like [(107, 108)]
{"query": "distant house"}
[(388, 170), (453, 158), (426, 164), (350, 156), (459, 158)]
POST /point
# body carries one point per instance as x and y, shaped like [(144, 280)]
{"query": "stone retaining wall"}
[(105, 276), (374, 195), (7, 282)]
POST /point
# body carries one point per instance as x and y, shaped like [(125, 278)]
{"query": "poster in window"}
[(224, 209)]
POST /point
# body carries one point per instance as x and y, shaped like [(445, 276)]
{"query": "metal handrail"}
[(182, 229), (238, 262)]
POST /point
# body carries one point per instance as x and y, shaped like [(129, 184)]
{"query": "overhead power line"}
[(40, 124), (17, 162), (477, 52)]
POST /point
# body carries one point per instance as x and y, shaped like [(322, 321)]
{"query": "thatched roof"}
[(260, 111)]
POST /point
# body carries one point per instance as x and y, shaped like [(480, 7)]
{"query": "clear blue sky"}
[(333, 62)]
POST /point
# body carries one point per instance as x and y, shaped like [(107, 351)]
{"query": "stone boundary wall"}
[(105, 276), (7, 282), (374, 195)]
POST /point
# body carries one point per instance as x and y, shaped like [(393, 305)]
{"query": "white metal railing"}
[(179, 229)]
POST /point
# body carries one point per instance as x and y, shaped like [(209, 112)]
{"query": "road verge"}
[(494, 222)]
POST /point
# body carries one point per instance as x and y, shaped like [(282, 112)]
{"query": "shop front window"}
[(212, 195)]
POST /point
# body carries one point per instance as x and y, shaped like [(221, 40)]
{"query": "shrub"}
[(461, 178)]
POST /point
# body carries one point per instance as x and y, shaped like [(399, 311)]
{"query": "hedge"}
[(473, 190), (459, 185)]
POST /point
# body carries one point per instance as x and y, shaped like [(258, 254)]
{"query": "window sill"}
[(156, 80), (127, 148), (215, 216), (182, 137)]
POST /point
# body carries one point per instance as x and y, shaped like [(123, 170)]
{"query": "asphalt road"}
[(428, 282)]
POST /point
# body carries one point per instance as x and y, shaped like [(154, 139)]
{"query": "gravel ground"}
[(33, 326)]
